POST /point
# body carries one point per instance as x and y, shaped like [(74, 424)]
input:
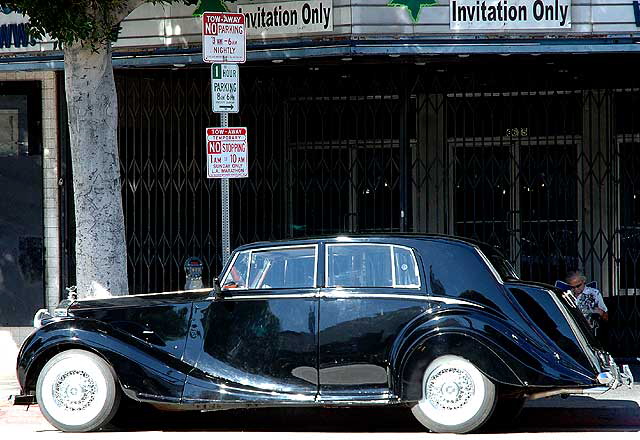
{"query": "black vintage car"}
[(438, 324)]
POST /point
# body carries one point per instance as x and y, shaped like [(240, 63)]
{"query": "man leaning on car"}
[(588, 299)]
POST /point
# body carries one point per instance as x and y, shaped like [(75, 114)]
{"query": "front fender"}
[(144, 372)]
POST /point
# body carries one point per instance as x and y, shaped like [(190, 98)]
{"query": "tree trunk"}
[(101, 254)]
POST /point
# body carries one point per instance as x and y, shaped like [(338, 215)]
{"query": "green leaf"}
[(210, 6), (413, 6)]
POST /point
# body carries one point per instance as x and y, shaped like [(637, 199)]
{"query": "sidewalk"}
[(17, 416)]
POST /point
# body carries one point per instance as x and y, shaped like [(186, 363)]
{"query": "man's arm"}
[(601, 306)]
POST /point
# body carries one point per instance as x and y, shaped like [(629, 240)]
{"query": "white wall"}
[(174, 25)]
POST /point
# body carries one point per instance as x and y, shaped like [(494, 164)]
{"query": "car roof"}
[(373, 237)]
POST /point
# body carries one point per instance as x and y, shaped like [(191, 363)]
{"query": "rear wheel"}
[(456, 396), (77, 391)]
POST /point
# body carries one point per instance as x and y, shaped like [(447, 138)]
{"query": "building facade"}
[(513, 122)]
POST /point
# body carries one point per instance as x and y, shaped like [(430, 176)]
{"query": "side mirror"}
[(217, 290)]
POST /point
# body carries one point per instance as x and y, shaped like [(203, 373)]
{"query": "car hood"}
[(144, 300)]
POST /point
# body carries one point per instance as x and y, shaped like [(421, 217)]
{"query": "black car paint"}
[(318, 345)]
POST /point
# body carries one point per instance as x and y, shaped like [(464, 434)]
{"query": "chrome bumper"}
[(615, 378), (23, 399), (608, 380)]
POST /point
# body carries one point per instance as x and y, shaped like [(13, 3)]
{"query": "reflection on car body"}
[(438, 324)]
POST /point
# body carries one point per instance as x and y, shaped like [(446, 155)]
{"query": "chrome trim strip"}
[(347, 295), (393, 266), (488, 263), (173, 292), (576, 331), (284, 296)]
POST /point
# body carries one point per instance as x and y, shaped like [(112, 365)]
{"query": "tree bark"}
[(101, 255)]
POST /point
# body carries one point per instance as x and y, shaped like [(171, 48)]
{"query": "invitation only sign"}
[(509, 14)]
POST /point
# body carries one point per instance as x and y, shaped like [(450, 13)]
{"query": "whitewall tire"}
[(456, 396), (77, 391)]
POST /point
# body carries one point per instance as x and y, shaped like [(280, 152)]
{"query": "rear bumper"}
[(614, 377)]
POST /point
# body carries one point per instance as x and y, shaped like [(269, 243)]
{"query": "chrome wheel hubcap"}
[(449, 389), (74, 390)]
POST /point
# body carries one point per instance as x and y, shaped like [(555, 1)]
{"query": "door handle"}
[(332, 296)]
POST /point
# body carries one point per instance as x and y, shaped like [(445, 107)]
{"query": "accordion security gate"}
[(532, 155)]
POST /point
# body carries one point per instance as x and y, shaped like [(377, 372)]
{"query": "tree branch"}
[(127, 8)]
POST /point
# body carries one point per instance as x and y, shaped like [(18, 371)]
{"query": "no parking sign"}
[(224, 38)]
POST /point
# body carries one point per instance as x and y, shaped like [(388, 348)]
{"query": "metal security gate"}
[(318, 163), (515, 178), (528, 154)]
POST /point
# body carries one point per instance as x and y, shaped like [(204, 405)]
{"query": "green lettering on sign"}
[(216, 71)]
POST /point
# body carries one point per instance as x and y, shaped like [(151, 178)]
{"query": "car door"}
[(371, 294), (259, 342)]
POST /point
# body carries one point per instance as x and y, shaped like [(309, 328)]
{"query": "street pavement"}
[(616, 413)]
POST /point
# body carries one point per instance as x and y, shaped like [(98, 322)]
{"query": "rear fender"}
[(486, 358)]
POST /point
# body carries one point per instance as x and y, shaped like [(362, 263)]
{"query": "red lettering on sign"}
[(214, 147), (210, 29)]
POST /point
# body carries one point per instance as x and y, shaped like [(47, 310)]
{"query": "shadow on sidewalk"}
[(609, 416)]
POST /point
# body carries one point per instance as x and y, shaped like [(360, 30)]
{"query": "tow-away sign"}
[(227, 155), (224, 39)]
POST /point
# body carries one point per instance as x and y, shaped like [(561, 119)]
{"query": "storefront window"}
[(21, 204), (515, 183), (629, 215)]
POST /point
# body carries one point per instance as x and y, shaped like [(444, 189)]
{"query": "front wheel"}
[(456, 396), (77, 391)]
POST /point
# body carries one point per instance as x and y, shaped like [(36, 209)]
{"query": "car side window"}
[(406, 269), (371, 265), (280, 268)]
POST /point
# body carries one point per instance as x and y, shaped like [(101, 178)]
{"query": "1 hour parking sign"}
[(223, 38), (227, 155), (225, 88)]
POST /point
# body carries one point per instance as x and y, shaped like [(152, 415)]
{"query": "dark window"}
[(21, 204), (483, 192), (523, 200), (629, 232)]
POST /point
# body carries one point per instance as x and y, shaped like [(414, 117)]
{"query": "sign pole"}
[(224, 42), (226, 230)]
